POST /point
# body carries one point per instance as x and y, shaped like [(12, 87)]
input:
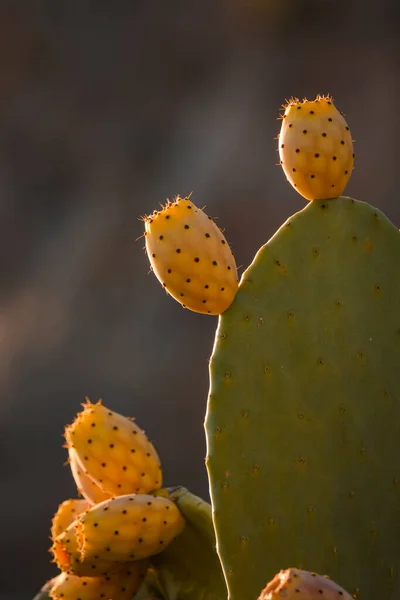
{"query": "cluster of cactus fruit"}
[(303, 412)]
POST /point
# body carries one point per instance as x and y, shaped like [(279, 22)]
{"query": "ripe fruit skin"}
[(315, 148), (67, 512), (112, 451), (121, 585), (302, 585), (191, 257), (68, 557), (123, 529), (92, 493), (129, 527)]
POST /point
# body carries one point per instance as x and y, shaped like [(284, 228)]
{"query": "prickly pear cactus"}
[(113, 452), (315, 148), (302, 585), (303, 417), (191, 257), (189, 569)]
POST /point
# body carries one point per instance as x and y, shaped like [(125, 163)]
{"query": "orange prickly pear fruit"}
[(127, 528), (66, 513), (191, 257), (113, 452), (315, 148), (302, 585), (92, 493), (121, 585), (66, 550)]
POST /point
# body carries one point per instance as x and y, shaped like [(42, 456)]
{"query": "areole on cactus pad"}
[(303, 416)]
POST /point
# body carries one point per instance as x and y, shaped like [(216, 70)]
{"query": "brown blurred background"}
[(106, 109)]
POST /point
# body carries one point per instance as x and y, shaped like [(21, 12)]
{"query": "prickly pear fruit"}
[(121, 585), (86, 486), (67, 554), (129, 527), (302, 585), (191, 257), (113, 451), (67, 512), (315, 148)]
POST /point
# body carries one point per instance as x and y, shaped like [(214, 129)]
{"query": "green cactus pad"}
[(303, 416), (189, 569)]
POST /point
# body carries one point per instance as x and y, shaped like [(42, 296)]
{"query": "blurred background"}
[(107, 109)]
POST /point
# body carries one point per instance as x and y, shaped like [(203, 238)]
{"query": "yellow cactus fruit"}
[(130, 527), (113, 452), (92, 493), (315, 148), (121, 585), (67, 554), (66, 513), (302, 585), (191, 257)]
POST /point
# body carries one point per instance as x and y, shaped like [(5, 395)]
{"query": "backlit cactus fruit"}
[(67, 512), (315, 148), (302, 585), (121, 585), (89, 489), (112, 451), (191, 257), (67, 555), (130, 527)]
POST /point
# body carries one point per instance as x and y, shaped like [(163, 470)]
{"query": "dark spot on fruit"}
[(115, 428), (347, 128), (330, 120), (346, 172), (140, 540), (181, 295), (324, 134), (207, 235), (299, 107), (188, 280), (312, 176), (103, 464), (116, 532), (169, 270), (290, 125), (316, 155), (222, 289), (354, 155), (215, 263), (283, 145), (178, 250), (206, 286), (167, 216), (204, 301), (93, 424), (153, 255), (144, 519), (342, 142), (304, 131), (223, 242), (124, 468), (297, 150), (228, 268), (161, 237), (333, 185), (105, 508), (334, 157), (111, 446), (149, 503), (311, 112), (108, 549), (294, 170), (196, 259), (89, 441), (186, 226), (133, 450)]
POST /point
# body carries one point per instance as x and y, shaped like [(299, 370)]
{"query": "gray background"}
[(106, 109)]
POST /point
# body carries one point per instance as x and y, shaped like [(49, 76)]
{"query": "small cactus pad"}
[(303, 585), (113, 451), (315, 148), (66, 550), (189, 569), (303, 416), (121, 585), (191, 257), (88, 488), (67, 512), (126, 528)]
